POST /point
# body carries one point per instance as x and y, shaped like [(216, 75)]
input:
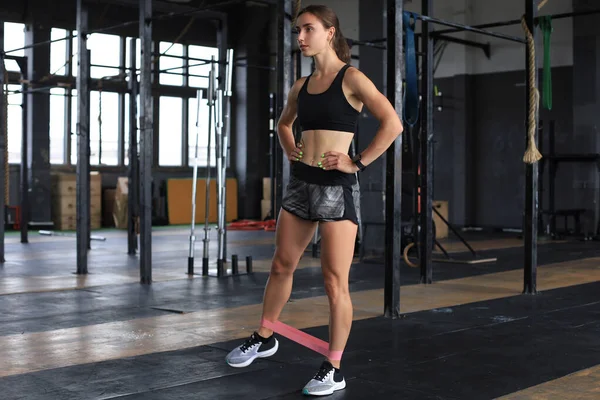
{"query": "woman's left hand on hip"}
[(340, 161)]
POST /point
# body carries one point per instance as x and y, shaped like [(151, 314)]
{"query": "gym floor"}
[(469, 335)]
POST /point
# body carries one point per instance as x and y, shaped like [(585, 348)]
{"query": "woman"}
[(327, 104)]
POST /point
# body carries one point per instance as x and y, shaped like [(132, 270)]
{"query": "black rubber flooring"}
[(476, 351)]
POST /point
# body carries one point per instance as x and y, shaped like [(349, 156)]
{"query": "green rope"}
[(545, 24)]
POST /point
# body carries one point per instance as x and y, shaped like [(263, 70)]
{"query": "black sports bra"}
[(329, 110)]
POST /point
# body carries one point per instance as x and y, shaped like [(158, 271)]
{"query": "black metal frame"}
[(205, 10), (425, 232), (518, 21), (284, 82), (426, 146), (3, 120), (133, 167), (530, 225), (485, 47), (83, 141), (146, 141), (553, 160), (393, 179)]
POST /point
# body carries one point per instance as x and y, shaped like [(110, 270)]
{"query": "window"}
[(202, 114), (138, 56), (58, 52), (15, 124), (105, 55), (104, 144), (201, 68), (171, 67), (104, 137), (57, 125), (170, 128), (14, 38)]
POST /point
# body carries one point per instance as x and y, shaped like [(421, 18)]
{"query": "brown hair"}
[(329, 19)]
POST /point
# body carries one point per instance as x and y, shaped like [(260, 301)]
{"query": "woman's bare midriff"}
[(317, 142)]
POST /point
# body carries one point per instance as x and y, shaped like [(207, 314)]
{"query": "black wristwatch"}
[(356, 160)]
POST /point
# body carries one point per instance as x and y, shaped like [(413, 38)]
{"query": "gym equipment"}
[(552, 159), (72, 235), (224, 97), (476, 259), (194, 185), (303, 338), (411, 94), (211, 99), (218, 116)]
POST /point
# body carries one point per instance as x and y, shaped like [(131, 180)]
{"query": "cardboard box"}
[(64, 200), (120, 211), (65, 184)]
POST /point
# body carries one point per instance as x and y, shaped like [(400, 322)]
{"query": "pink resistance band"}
[(302, 338)]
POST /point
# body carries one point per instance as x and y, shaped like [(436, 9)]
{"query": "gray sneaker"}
[(325, 382), (252, 349)]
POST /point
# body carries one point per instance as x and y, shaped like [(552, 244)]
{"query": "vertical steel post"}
[(185, 112), (3, 129), (393, 180), (122, 128), (133, 167), (146, 142), (426, 176), (83, 139), (68, 102), (552, 165), (284, 74), (24, 159), (272, 152), (531, 175)]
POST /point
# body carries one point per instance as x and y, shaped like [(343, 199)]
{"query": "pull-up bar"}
[(461, 27), (518, 21)]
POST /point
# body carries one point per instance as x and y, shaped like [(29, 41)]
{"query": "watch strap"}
[(356, 160)]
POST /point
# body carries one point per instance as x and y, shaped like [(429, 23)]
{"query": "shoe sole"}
[(264, 354), (338, 386)]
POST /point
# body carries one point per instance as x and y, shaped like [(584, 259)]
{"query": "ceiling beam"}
[(167, 7)]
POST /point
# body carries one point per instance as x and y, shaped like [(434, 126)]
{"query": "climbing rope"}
[(532, 155)]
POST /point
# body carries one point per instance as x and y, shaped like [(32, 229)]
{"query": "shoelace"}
[(249, 343), (323, 371)]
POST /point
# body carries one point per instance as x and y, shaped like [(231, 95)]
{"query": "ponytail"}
[(340, 45)]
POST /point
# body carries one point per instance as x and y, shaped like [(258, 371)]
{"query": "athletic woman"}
[(322, 181)]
